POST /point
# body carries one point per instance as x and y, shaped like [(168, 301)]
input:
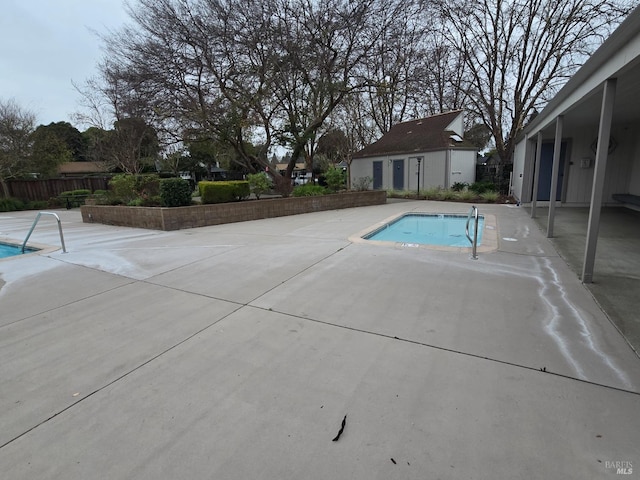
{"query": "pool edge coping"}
[(41, 248), (489, 236)]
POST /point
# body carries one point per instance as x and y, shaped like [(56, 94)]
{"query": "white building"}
[(430, 151)]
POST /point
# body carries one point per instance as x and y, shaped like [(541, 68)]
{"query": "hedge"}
[(74, 198), (222, 192), (175, 192)]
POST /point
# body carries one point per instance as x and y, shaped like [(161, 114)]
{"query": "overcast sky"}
[(46, 44)]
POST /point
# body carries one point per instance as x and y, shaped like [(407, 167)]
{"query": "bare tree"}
[(409, 73), (243, 72), (394, 71), (132, 145), (354, 118), (518, 53), (195, 66), (322, 46), (16, 128), (444, 76)]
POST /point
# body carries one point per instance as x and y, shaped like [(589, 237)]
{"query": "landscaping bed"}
[(177, 218)]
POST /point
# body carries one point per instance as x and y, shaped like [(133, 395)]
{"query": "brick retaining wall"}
[(158, 218)]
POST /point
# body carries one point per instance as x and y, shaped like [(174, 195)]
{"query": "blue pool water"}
[(429, 229), (7, 250)]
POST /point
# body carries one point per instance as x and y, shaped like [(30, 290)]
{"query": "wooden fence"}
[(30, 190)]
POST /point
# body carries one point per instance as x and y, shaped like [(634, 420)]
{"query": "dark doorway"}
[(398, 174), (546, 168), (377, 175)]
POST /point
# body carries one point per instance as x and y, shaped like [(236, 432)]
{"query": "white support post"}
[(599, 170), (536, 175), (557, 145)]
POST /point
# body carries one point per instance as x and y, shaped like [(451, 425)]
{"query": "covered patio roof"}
[(604, 93)]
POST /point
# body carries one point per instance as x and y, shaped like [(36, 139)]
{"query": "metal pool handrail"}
[(474, 241), (34, 226)]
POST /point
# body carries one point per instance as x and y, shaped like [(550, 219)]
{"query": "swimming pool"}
[(427, 229), (9, 250)]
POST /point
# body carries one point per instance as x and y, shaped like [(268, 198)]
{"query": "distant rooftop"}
[(82, 168)]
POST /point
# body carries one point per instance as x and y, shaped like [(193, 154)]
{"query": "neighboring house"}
[(216, 173), (430, 151), (599, 106), (81, 169), (299, 175)]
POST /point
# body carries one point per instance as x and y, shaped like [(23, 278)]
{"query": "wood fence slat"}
[(34, 190)]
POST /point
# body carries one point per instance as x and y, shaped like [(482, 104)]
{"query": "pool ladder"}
[(35, 222), (473, 213)]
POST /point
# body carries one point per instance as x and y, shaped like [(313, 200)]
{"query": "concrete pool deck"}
[(235, 351)]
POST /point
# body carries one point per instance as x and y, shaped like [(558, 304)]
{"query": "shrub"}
[(123, 187), (102, 197), (259, 183), (432, 193), (127, 187), (459, 186), (10, 205), (335, 178), (147, 186), (446, 194), (36, 205), (399, 194), (222, 192), (154, 201), (76, 193), (309, 190), (175, 192), (74, 198), (465, 195), (490, 197), (362, 183), (481, 187)]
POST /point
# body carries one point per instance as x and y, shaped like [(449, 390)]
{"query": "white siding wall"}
[(363, 167), (462, 167), (412, 173), (620, 164), (433, 170), (580, 179)]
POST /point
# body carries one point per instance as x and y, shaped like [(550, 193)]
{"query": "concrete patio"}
[(235, 351)]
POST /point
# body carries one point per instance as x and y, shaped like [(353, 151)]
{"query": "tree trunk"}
[(5, 188)]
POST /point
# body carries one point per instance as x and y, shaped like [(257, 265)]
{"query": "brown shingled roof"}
[(423, 135)]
